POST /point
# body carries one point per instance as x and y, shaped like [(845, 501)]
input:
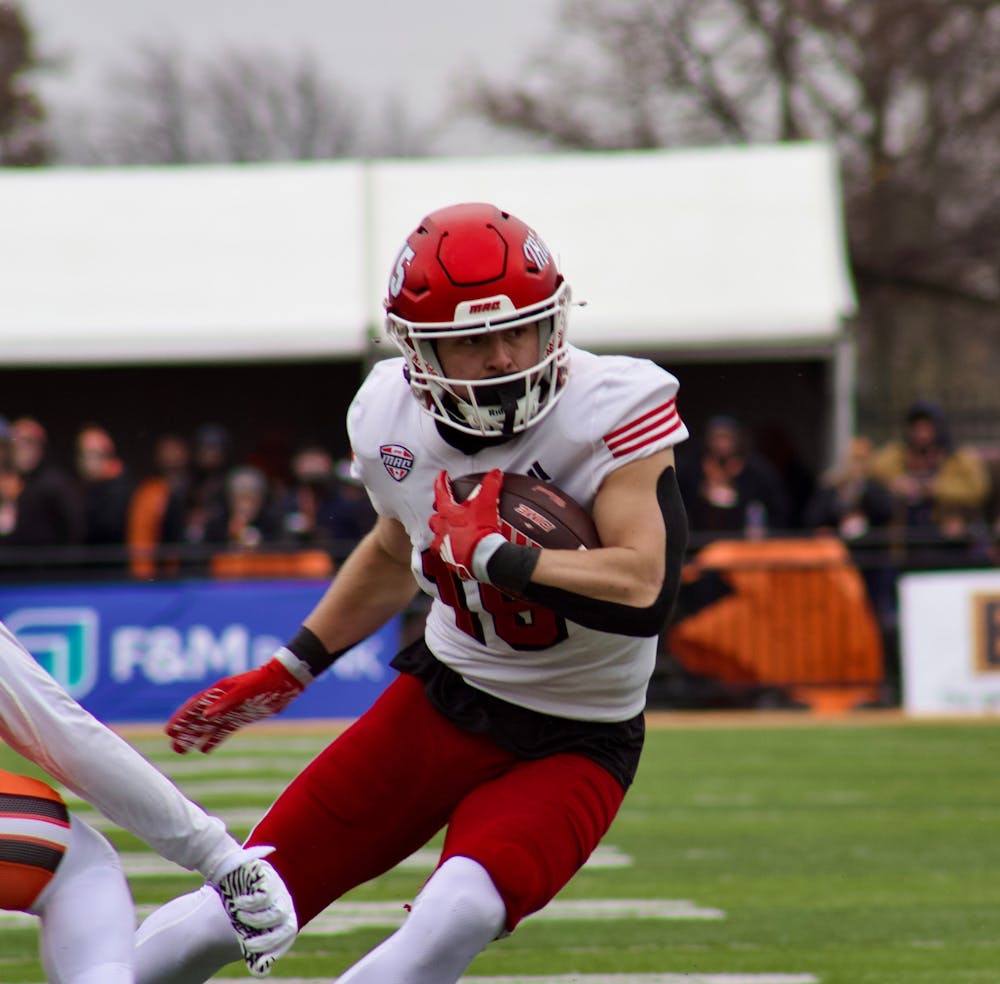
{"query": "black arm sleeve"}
[(607, 616), (306, 646)]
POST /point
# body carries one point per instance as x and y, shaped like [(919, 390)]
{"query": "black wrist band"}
[(306, 646), (511, 566)]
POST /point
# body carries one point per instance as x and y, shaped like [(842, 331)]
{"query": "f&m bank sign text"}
[(136, 652)]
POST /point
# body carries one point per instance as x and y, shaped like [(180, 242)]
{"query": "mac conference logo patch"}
[(397, 459)]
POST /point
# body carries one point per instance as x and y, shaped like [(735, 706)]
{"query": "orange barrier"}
[(294, 564), (798, 617)]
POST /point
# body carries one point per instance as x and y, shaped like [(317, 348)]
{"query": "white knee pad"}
[(453, 919), (462, 894)]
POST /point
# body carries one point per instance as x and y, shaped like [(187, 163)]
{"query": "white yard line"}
[(142, 864), (588, 979), (343, 917), (204, 789)]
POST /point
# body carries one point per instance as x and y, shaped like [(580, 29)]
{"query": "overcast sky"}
[(375, 48)]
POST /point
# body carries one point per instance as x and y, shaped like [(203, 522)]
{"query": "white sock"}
[(453, 919), (86, 912), (185, 941)]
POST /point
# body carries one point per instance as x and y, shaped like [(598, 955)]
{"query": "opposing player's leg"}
[(185, 941), (369, 800), (512, 844), (87, 915)]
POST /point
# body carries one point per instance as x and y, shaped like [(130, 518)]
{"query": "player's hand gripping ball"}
[(523, 510), (537, 513), (459, 526)]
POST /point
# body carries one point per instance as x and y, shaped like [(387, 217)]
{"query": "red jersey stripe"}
[(651, 438), (644, 431), (632, 435), (656, 411)]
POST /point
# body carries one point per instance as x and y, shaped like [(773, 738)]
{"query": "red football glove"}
[(459, 526), (212, 715)]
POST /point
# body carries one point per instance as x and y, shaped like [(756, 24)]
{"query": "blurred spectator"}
[(107, 487), (849, 501), (211, 454), (797, 480), (727, 488), (49, 509), (249, 518), (271, 453), (158, 507), (324, 507), (10, 482), (937, 489)]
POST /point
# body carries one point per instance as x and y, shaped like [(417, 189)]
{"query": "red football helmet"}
[(467, 270)]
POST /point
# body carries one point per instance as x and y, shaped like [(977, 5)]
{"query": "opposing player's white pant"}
[(86, 913), (453, 919), (185, 941)]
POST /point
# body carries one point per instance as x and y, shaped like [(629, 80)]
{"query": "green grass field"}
[(842, 852)]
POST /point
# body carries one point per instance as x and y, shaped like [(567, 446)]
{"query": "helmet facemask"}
[(499, 406)]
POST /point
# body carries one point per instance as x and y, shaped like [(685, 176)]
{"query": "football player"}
[(57, 867), (516, 721)]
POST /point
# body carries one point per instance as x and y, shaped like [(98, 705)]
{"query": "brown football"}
[(538, 512)]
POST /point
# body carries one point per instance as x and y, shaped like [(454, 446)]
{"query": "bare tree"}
[(908, 90), (239, 107), (22, 116)]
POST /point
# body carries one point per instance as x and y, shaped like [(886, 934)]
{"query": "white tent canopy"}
[(723, 248)]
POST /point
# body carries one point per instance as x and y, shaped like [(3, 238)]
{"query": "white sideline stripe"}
[(143, 864), (343, 917)]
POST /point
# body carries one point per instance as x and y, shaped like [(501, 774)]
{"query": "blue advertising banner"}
[(132, 653)]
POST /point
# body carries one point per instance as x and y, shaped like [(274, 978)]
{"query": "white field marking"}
[(203, 789), (157, 748), (646, 979), (343, 917), (144, 864), (235, 818), (589, 979), (178, 766)]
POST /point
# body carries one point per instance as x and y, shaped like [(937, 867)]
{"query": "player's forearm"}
[(45, 725), (614, 574), (599, 589), (372, 586)]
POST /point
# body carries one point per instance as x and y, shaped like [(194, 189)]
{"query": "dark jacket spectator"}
[(728, 488), (849, 501), (249, 519), (211, 456), (324, 507), (49, 510), (107, 487)]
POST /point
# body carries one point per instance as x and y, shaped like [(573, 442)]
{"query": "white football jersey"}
[(614, 410), (42, 722)]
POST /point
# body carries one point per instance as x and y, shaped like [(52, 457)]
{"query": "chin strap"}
[(508, 403)]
